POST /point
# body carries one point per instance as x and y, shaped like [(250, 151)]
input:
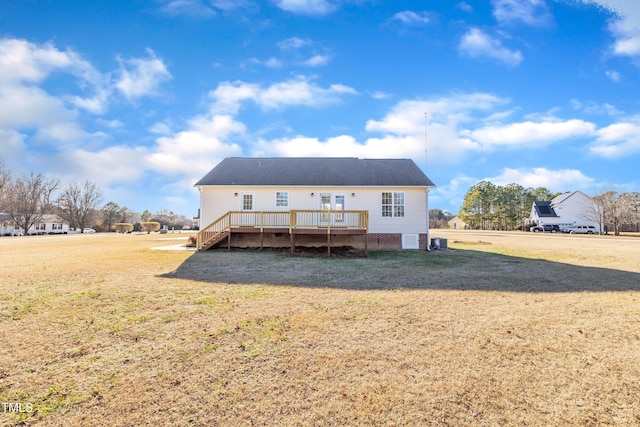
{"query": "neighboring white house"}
[(50, 224), (566, 210), (456, 223), (393, 193)]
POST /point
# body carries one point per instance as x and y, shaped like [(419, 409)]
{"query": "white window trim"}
[(253, 202), (287, 199), (393, 204)]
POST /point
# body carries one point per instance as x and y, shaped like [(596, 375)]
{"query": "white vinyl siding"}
[(216, 201)]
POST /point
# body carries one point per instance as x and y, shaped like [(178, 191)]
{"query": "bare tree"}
[(78, 205), (5, 184), (594, 212), (30, 199), (619, 209)]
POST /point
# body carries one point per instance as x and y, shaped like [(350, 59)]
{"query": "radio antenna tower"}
[(425, 141)]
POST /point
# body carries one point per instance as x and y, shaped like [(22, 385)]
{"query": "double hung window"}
[(393, 204), (247, 202), (282, 199)]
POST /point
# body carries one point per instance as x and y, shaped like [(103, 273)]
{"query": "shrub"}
[(149, 226), (123, 227)]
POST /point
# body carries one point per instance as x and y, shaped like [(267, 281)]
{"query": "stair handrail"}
[(213, 230)]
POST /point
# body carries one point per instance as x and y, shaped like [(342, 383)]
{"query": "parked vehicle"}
[(581, 229), (546, 228), (89, 230)]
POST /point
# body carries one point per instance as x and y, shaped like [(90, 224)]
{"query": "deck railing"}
[(321, 219), (293, 220)]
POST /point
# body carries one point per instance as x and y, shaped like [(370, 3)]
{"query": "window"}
[(393, 204), (41, 227), (247, 202), (56, 227), (282, 199)]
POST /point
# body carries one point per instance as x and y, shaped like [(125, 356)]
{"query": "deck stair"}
[(214, 233)]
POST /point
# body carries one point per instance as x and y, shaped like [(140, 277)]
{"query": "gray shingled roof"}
[(316, 171)]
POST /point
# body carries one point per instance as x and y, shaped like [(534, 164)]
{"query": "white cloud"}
[(108, 166), (293, 43), (228, 5), (614, 76), (192, 152), (12, 145), (477, 44), (627, 36), (306, 7), (407, 117), (527, 133), (591, 107), (317, 61), (141, 76), (194, 8), (31, 108), (340, 146), (529, 12), (273, 63), (554, 180), (625, 25), (23, 64), (451, 193), (402, 132), (299, 91), (465, 7), (24, 61), (378, 94), (300, 52), (617, 140), (409, 17)]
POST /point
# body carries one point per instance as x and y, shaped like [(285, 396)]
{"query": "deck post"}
[(261, 229), (366, 243), (293, 242)]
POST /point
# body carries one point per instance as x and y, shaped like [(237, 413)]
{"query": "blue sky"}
[(145, 97)]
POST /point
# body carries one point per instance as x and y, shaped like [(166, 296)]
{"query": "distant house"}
[(50, 224), (566, 210), (456, 223), (375, 203)]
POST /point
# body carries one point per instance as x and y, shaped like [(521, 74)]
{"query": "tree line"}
[(487, 206), (28, 199)]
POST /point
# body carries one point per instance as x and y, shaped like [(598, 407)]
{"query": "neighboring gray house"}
[(378, 203)]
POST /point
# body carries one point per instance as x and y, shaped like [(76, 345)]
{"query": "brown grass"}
[(501, 329)]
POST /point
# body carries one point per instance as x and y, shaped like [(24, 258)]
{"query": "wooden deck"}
[(295, 222)]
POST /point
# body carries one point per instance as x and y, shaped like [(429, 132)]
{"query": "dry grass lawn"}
[(501, 329)]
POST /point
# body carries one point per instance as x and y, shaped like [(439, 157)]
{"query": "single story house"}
[(456, 223), (50, 224), (566, 210), (316, 201)]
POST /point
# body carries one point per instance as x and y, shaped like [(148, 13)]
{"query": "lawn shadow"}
[(454, 269)]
